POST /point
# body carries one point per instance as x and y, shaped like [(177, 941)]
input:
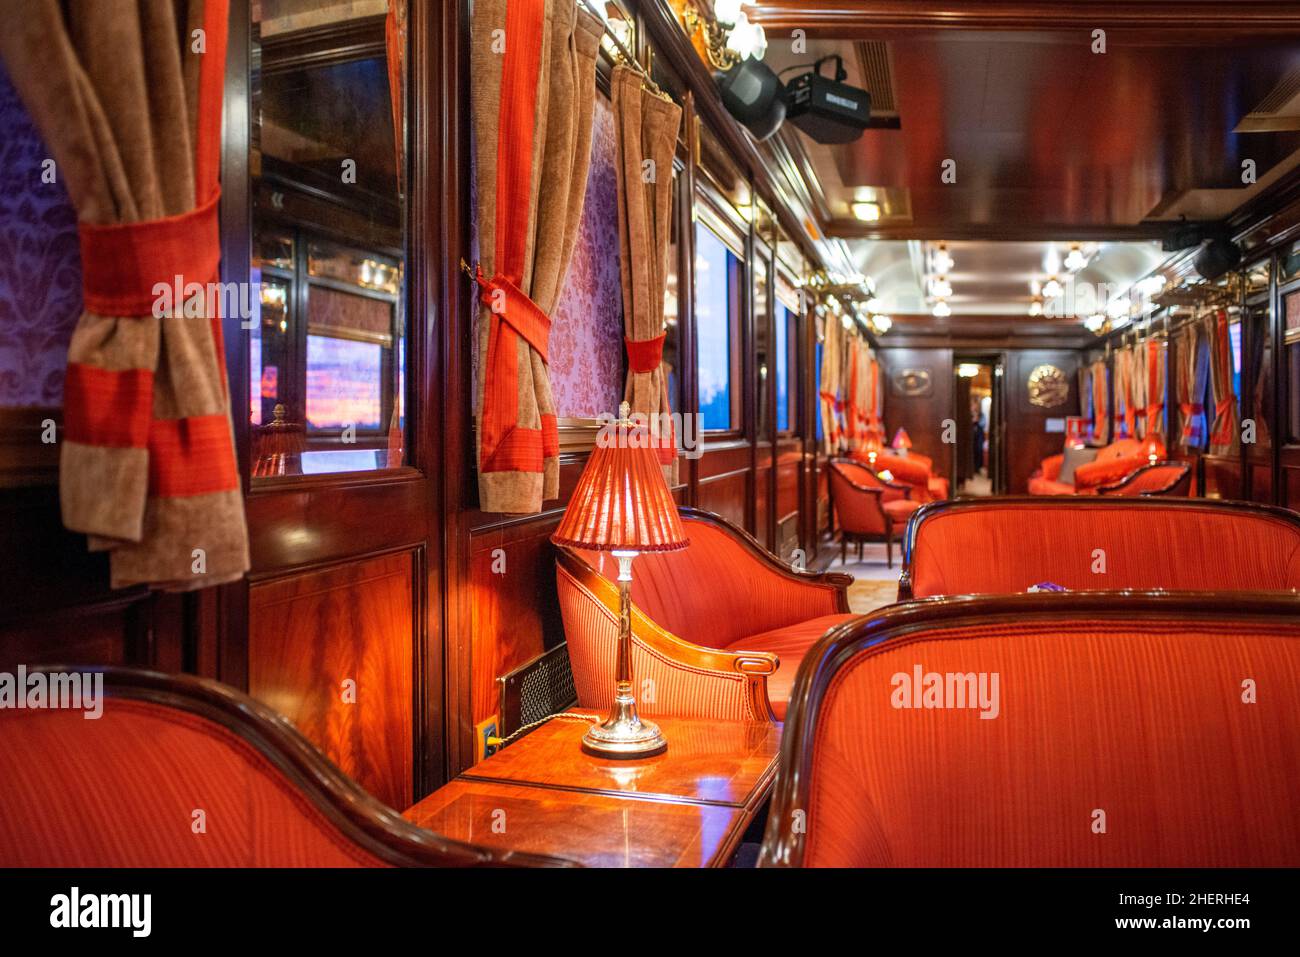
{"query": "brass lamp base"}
[(624, 735)]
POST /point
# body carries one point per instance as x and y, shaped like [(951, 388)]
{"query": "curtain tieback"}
[(504, 298), (645, 355), (127, 268)]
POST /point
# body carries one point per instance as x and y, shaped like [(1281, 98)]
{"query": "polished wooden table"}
[(688, 807)]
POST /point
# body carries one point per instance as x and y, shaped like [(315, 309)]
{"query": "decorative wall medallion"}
[(1048, 387), (912, 382)]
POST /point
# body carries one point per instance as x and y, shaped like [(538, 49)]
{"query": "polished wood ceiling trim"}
[(1024, 231), (1167, 20)]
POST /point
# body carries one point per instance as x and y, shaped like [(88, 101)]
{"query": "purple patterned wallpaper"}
[(587, 337), (40, 266), (587, 334)]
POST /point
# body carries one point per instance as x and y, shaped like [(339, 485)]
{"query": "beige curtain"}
[(1138, 388), (1100, 412), (128, 96), (1193, 373), (646, 126), (1155, 379), (1224, 435), (532, 91), (832, 365)]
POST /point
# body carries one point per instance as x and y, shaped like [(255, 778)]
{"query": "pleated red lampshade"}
[(622, 503), (902, 440)]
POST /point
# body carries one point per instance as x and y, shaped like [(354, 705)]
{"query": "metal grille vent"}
[(873, 59), (540, 688)]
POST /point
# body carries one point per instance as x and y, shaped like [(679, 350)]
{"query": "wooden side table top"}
[(688, 807)]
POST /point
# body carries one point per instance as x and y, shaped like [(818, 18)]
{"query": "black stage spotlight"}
[(754, 95), (1216, 257), (828, 110)]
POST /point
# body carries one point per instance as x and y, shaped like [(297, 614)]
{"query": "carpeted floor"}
[(874, 585)]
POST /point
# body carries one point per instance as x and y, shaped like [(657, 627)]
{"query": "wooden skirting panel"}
[(334, 650), (515, 614)]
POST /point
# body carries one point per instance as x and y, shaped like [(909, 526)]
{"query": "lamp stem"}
[(623, 734)]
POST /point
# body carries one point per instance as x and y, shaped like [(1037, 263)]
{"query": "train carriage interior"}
[(647, 434)]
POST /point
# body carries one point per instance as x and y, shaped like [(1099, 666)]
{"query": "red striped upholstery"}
[(1139, 727), (121, 791), (1154, 479), (662, 686), (856, 511), (714, 592), (1000, 547)]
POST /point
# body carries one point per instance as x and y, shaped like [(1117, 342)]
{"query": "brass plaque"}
[(1048, 387), (912, 382)]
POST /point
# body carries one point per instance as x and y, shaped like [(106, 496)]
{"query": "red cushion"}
[(121, 790), (901, 508), (1046, 486), (938, 487), (790, 644), (1101, 472)]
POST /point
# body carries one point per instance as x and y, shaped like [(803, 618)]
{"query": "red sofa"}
[(1005, 545), (120, 790), (1171, 479), (1117, 736), (1112, 464), (718, 628)]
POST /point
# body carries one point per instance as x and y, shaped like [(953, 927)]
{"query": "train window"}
[(716, 310), (784, 343)]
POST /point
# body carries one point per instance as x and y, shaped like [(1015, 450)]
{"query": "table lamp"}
[(1153, 450), (902, 441), (623, 506), (873, 448)]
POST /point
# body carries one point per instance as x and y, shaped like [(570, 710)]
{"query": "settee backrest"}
[(1001, 546), (1047, 731)]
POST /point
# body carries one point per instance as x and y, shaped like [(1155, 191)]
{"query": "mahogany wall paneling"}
[(922, 414), (762, 313), (1027, 441), (725, 481), (313, 632), (1223, 478)]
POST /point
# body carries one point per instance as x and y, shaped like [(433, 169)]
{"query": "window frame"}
[(725, 223)]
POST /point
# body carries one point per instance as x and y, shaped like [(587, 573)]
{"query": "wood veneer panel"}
[(726, 495), (714, 762), (1027, 440), (311, 632), (595, 830), (515, 613)]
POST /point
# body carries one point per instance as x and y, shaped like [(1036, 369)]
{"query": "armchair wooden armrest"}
[(684, 678)]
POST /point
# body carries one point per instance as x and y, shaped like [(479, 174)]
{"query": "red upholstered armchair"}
[(121, 790), (867, 506), (718, 629), (1050, 721), (1005, 545), (912, 469), (1113, 463)]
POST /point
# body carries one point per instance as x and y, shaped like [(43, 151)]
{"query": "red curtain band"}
[(107, 408), (516, 309), (193, 456), (645, 355), (123, 264), (525, 450)]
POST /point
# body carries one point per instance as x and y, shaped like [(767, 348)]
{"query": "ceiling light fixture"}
[(942, 309), (1036, 307), (867, 212), (1095, 323), (1052, 288), (940, 287), (942, 261), (1076, 260), (968, 370), (882, 324)]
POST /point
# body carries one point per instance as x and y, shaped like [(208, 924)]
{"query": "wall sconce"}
[(867, 212), (728, 35)]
